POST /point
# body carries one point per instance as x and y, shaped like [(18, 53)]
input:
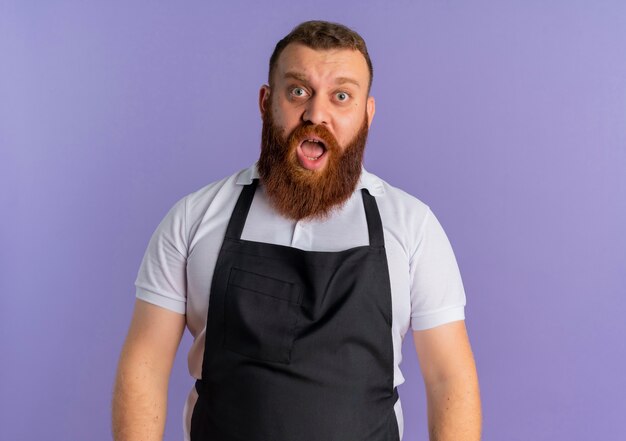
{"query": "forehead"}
[(322, 64)]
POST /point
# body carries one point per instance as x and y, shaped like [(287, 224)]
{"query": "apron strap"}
[(374, 223), (242, 207), (240, 213)]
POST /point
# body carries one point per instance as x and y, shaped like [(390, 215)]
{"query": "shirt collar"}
[(367, 180)]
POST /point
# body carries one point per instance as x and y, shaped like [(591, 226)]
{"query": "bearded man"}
[(298, 279)]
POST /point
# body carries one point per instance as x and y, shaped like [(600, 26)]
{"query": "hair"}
[(323, 35)]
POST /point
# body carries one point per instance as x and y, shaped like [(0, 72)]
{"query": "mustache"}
[(306, 130)]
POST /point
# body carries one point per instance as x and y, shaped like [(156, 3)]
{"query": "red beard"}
[(297, 192)]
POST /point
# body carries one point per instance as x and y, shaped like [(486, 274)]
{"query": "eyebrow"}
[(296, 76), (341, 80)]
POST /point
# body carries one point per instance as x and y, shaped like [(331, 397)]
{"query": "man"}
[(298, 279)]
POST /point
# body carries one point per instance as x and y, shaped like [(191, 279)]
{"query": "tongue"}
[(312, 149)]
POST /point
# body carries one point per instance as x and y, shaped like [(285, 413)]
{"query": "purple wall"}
[(507, 118)]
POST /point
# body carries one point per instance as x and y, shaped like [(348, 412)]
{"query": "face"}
[(315, 122), (328, 88)]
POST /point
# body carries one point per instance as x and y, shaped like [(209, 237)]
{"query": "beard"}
[(296, 192)]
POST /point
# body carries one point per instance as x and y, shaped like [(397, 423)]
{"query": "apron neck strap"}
[(374, 224), (242, 207), (240, 213)]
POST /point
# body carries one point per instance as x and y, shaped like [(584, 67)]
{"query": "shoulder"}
[(200, 199), (218, 192), (405, 218), (395, 203), (207, 201)]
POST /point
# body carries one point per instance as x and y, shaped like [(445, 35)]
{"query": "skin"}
[(327, 87), (140, 394), (451, 382)]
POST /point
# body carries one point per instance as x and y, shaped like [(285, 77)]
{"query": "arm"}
[(140, 395), (451, 382)]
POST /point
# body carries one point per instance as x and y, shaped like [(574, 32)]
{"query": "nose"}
[(316, 110)]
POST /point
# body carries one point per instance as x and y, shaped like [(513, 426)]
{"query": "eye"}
[(298, 92), (342, 96)]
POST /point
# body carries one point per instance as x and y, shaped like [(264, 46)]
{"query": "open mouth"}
[(311, 152), (313, 149)]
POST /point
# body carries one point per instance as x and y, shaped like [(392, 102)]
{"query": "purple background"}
[(507, 118)]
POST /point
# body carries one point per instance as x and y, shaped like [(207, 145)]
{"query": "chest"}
[(347, 228)]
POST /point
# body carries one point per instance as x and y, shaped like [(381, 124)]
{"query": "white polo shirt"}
[(177, 268)]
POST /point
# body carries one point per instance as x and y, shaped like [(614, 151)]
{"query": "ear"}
[(370, 107), (264, 99)]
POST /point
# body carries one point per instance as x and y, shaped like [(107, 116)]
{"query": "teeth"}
[(313, 158)]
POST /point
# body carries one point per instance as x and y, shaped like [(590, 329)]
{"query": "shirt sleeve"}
[(161, 279), (437, 293)]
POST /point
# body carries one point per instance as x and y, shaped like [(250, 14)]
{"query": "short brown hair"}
[(317, 35)]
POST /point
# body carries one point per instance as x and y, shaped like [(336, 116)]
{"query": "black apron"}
[(298, 343)]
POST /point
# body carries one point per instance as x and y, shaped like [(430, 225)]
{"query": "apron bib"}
[(298, 343)]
